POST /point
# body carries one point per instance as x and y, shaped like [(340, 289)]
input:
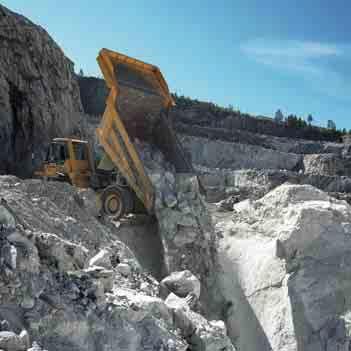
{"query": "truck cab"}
[(68, 159)]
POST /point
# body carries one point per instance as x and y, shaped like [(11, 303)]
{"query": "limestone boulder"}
[(285, 270), (201, 334), (182, 283), (10, 341), (102, 258)]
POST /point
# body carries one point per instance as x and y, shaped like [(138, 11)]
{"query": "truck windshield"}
[(57, 153)]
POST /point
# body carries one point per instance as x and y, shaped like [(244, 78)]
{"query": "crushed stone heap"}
[(185, 226)]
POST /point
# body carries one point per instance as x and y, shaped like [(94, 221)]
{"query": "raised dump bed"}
[(137, 107)]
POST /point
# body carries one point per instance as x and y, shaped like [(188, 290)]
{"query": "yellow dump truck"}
[(137, 107)]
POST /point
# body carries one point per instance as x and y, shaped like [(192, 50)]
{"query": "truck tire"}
[(115, 202)]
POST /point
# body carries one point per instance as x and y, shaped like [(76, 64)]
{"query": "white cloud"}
[(313, 61), (299, 50)]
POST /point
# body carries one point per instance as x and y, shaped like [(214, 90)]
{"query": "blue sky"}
[(255, 55)]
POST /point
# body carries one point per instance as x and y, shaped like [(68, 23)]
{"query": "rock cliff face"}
[(326, 164), (39, 96), (221, 154)]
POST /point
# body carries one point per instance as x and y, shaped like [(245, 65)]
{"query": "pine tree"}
[(309, 119), (331, 124)]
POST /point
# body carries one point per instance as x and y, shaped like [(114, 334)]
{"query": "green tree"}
[(309, 119), (292, 121)]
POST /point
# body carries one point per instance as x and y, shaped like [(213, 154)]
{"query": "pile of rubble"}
[(185, 225), (68, 282)]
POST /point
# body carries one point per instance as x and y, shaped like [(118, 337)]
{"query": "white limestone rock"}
[(10, 341), (201, 334), (285, 270), (102, 259), (221, 154), (183, 283)]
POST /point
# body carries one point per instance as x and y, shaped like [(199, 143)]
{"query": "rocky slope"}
[(67, 281), (39, 96)]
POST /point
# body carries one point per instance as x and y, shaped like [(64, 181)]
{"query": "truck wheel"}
[(113, 202)]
